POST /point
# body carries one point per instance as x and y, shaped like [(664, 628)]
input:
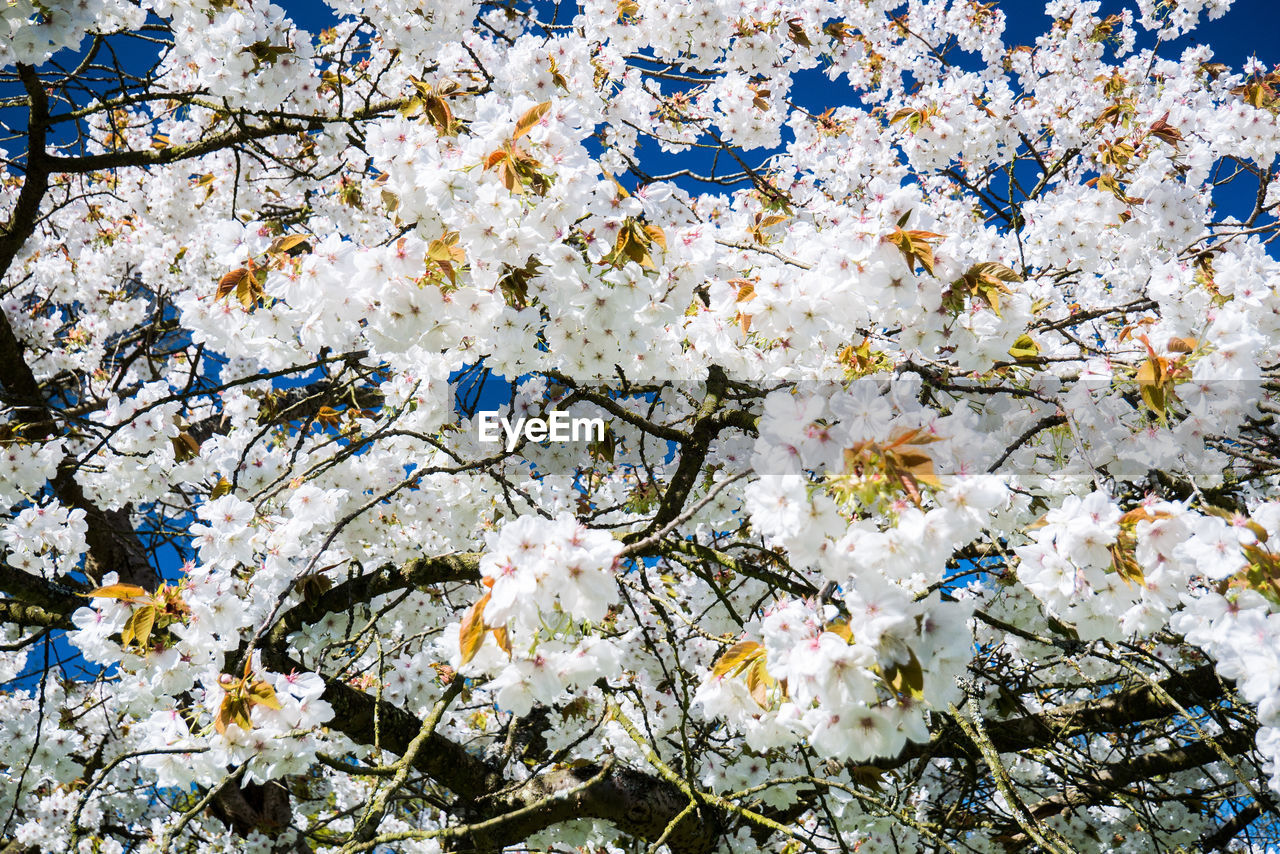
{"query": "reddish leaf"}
[(230, 282)]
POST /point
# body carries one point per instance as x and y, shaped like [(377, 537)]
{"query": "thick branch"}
[(1111, 713), (1221, 836), (353, 713), (416, 574), (113, 543), (22, 221), (635, 802), (56, 599), (16, 613), (693, 453), (1105, 783)]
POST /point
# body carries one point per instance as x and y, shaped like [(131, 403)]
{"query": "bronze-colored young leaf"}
[(1161, 129), (746, 289), (906, 679), (840, 628), (919, 466), (901, 115), (915, 246), (1151, 378), (230, 282), (795, 32), (233, 710), (223, 717), (503, 640), (1123, 562), (185, 447), (530, 119), (736, 657), (327, 416), (446, 248), (117, 591), (291, 244), (262, 694), (759, 681), (471, 632), (221, 488)]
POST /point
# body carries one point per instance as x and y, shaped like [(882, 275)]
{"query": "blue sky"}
[(1249, 29)]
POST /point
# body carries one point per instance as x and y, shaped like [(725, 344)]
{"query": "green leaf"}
[(1024, 348)]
